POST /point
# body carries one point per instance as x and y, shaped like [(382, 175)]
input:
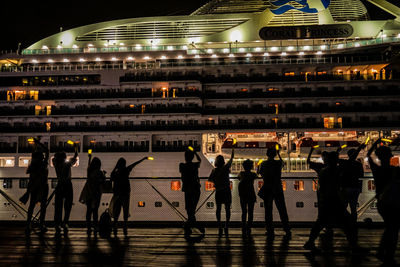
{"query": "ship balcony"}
[(319, 92), (192, 62), (348, 123)]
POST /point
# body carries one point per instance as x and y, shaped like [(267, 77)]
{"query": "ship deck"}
[(168, 247)]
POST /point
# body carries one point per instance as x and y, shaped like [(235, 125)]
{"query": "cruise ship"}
[(242, 74)]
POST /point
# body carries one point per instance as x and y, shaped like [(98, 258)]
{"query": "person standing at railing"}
[(191, 187), (351, 171), (387, 184), (247, 195), (38, 188), (91, 193), (330, 206), (271, 172), (122, 192), (317, 167), (63, 191), (220, 177)]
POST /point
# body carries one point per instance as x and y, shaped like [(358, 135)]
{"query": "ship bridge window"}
[(7, 162), (23, 183), (7, 183), (298, 185), (176, 185)]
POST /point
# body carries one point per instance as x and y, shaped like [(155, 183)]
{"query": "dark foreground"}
[(168, 247)]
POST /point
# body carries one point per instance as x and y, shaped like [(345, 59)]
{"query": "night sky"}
[(28, 22)]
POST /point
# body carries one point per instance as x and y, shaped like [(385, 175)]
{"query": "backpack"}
[(105, 224)]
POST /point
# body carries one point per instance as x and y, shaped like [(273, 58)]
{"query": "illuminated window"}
[(24, 161), (141, 204), (7, 162), (340, 122), (298, 185), (158, 204), (38, 109), (7, 183), (315, 185), (176, 185), (33, 95), (371, 185), (284, 185), (209, 186), (23, 183), (329, 122), (48, 110), (289, 74)]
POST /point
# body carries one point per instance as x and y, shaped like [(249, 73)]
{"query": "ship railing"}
[(379, 122), (52, 67), (238, 48)]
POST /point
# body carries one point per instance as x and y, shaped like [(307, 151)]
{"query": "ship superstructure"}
[(263, 75)]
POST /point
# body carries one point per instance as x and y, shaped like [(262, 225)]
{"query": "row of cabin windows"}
[(298, 185), (211, 205)]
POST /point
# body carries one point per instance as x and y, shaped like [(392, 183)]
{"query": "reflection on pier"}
[(167, 247)]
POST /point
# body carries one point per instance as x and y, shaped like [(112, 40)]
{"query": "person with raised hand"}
[(122, 191), (387, 187), (191, 187), (91, 193), (64, 189), (271, 172)]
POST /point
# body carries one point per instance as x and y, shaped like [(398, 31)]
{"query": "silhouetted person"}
[(191, 187), (387, 179), (331, 207), (63, 191), (351, 171), (317, 167), (247, 195), (122, 192), (271, 172), (91, 193), (38, 188), (220, 177)]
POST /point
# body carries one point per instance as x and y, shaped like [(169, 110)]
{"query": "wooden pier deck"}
[(168, 247)]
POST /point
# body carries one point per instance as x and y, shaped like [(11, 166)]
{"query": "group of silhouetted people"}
[(338, 186), (91, 193)]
